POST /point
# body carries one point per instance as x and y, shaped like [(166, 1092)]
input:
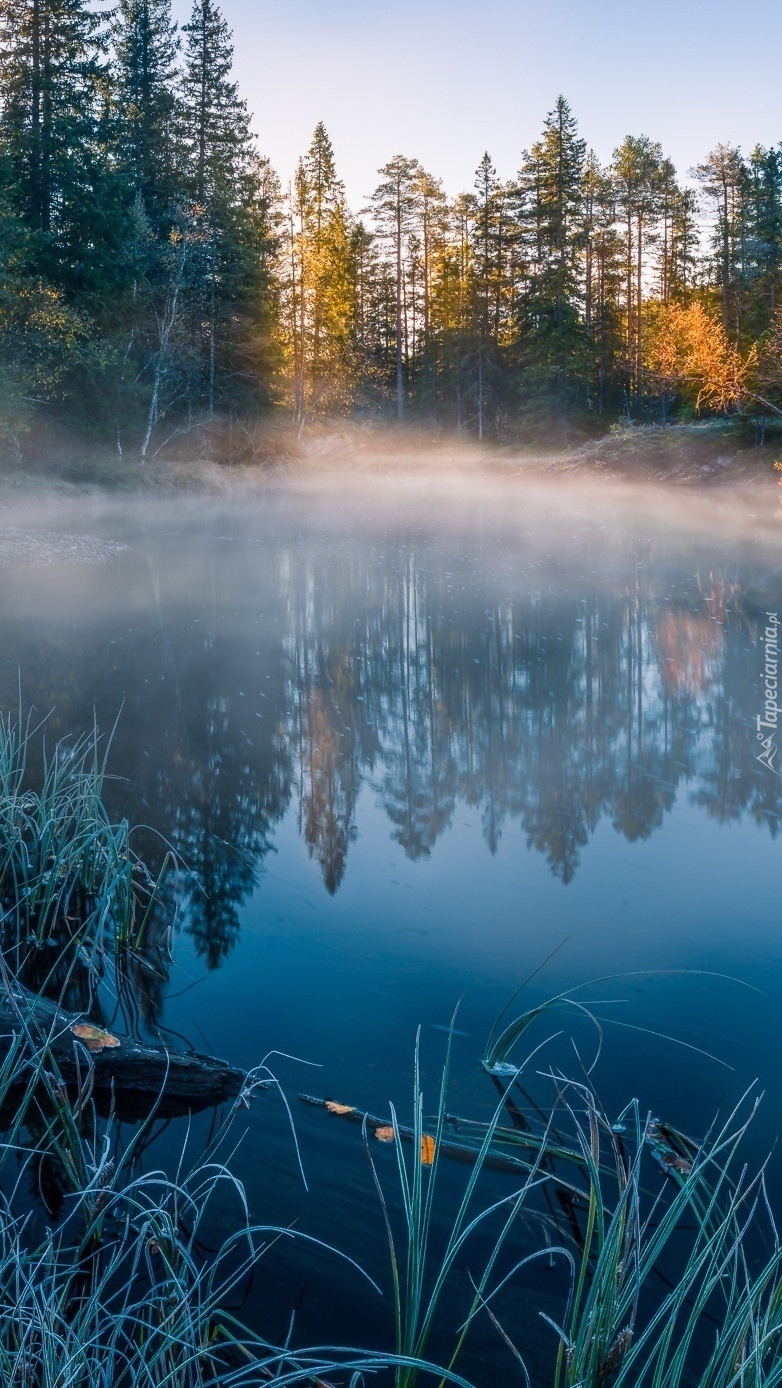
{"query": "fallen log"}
[(457, 1151), (131, 1074)]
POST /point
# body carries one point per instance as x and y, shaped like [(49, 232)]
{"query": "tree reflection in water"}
[(256, 678)]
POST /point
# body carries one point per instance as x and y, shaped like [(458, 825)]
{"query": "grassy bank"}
[(714, 452)]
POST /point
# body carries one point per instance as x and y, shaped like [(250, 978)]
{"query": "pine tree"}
[(428, 223), (336, 362), (429, 219), (668, 200), (723, 177), (602, 274), (53, 126), (229, 285), (146, 47), (325, 227), (637, 166), (452, 315), (550, 324), (296, 283), (372, 317), (214, 120), (685, 245), (393, 205), (319, 291), (764, 204), (492, 286)]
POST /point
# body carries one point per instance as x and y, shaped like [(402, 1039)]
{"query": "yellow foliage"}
[(95, 1038), (428, 1149), (41, 337), (687, 349)]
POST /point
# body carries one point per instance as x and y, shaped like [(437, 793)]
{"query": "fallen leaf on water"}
[(384, 1134), (428, 1148), (95, 1038), (338, 1108)]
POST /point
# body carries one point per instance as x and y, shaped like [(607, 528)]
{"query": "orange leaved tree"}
[(688, 351)]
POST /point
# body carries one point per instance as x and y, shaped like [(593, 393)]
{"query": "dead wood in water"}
[(457, 1151), (135, 1075)]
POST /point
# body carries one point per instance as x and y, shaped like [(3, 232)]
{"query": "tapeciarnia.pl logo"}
[(768, 721)]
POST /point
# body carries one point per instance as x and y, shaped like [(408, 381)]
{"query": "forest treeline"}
[(155, 277)]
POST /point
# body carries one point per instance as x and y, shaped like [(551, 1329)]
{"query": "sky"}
[(444, 80)]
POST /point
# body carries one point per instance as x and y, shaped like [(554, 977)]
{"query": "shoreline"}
[(702, 455)]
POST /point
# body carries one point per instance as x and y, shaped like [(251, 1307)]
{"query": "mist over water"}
[(408, 738)]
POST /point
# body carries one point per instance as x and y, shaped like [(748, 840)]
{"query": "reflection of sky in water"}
[(406, 761)]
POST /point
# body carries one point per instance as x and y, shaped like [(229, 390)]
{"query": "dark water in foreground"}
[(409, 742)]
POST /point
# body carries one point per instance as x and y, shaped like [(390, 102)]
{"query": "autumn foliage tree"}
[(688, 353)]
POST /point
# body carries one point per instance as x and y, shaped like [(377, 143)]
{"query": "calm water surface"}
[(408, 741)]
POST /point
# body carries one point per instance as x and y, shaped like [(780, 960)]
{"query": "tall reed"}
[(69, 876)]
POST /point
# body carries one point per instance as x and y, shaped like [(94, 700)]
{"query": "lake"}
[(412, 741)]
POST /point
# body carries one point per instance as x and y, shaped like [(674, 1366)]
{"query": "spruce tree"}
[(326, 192)]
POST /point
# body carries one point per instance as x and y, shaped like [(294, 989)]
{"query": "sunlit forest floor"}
[(221, 457)]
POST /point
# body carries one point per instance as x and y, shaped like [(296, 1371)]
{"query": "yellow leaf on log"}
[(338, 1108), (95, 1038), (384, 1134), (428, 1148)]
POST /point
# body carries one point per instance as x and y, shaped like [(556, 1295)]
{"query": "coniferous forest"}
[(156, 277)]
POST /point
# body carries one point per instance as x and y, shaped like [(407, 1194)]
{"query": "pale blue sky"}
[(442, 80)]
